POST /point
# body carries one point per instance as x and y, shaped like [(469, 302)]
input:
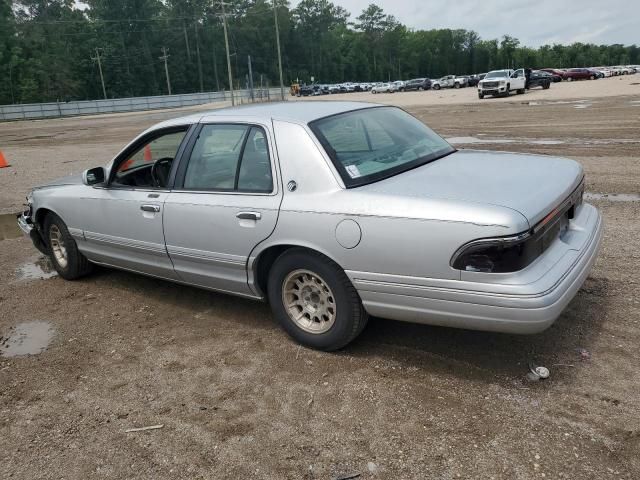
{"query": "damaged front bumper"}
[(29, 229)]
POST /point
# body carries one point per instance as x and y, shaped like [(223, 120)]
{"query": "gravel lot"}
[(238, 399)]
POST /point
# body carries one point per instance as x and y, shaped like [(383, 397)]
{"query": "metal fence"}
[(92, 107)]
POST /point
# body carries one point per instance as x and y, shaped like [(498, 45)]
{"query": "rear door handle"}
[(150, 208), (249, 215)]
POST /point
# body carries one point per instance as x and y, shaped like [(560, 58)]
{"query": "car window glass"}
[(347, 135), (165, 146), (371, 143), (255, 170), (214, 159)]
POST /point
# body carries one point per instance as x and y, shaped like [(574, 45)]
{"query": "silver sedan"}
[(330, 211)]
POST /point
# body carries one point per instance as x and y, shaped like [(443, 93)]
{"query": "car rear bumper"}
[(514, 306)]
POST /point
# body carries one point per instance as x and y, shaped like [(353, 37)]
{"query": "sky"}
[(533, 22)]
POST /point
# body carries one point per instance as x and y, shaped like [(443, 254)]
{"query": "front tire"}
[(314, 301), (436, 87), (63, 250)]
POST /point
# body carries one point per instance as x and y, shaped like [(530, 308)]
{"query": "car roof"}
[(301, 112)]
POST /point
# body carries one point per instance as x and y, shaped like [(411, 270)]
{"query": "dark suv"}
[(538, 78), (418, 84)]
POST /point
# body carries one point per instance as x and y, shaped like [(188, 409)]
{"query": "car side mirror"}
[(94, 176)]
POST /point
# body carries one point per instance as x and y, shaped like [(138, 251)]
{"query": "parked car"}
[(384, 88), (502, 83), (399, 84), (306, 90), (539, 78), (473, 80), (598, 73), (557, 75), (331, 211), (418, 84), (449, 81), (579, 74)]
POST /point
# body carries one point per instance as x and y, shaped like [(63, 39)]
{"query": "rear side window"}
[(230, 158)]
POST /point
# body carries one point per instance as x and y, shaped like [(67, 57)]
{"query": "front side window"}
[(230, 158), (375, 143), (149, 165)]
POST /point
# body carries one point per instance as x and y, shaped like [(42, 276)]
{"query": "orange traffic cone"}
[(148, 157), (3, 161)]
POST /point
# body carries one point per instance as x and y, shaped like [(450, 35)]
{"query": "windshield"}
[(497, 74), (375, 143)]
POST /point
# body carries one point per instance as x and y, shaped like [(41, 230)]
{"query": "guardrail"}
[(30, 111)]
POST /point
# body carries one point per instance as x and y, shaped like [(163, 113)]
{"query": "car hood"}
[(75, 179), (532, 185)]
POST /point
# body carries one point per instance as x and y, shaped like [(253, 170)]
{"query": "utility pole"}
[(198, 57), (250, 77), (226, 44), (98, 59), (215, 66), (165, 57), (275, 17), (186, 39)]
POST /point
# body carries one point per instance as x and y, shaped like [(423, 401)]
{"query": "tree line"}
[(49, 49)]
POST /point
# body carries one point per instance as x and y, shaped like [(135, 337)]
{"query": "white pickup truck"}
[(449, 81), (502, 82)]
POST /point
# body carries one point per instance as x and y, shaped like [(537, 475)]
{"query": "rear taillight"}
[(513, 253)]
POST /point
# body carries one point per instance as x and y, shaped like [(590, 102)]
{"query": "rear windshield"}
[(375, 143)]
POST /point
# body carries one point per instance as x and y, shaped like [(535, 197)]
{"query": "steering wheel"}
[(160, 172)]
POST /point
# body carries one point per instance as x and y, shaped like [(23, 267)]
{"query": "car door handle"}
[(150, 208), (249, 215)]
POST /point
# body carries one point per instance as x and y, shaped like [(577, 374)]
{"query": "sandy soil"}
[(238, 399)]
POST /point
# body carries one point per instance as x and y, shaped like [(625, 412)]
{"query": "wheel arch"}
[(39, 218), (262, 260)]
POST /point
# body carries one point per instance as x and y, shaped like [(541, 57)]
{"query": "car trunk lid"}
[(533, 185)]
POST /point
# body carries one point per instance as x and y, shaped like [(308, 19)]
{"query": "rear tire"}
[(569, 79), (520, 91), (63, 250), (314, 301)]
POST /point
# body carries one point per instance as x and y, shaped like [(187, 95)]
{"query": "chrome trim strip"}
[(126, 243), (192, 254)]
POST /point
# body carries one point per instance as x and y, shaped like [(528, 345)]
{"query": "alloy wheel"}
[(58, 247), (309, 301)]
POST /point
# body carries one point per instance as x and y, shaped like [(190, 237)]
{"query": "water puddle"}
[(613, 197), (28, 338), (9, 227), (544, 141), (474, 140), (38, 269), (485, 141)]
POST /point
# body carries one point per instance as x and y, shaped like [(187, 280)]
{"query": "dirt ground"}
[(238, 399)]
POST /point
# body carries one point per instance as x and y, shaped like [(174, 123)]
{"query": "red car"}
[(556, 75), (579, 74)]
